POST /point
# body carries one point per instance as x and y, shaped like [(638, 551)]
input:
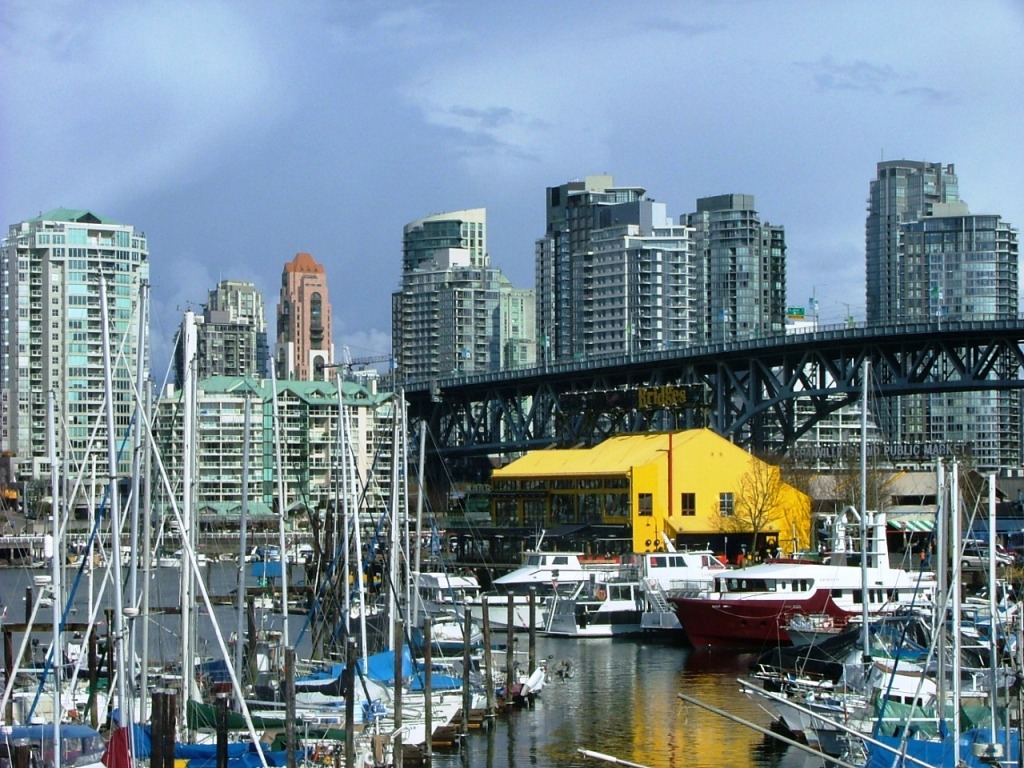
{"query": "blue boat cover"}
[(438, 682), (382, 666), (268, 569)]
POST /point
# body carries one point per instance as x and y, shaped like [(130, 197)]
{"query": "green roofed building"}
[(309, 443)]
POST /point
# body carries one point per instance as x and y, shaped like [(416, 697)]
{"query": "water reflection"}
[(623, 702)]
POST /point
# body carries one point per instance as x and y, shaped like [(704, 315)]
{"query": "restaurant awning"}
[(919, 522)]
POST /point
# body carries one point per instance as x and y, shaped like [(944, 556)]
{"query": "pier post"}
[(94, 679), (158, 705), (222, 730), (289, 705), (399, 654), (532, 666), (467, 632), (350, 704), (428, 685), (8, 670), (510, 633), (170, 725), (488, 671)]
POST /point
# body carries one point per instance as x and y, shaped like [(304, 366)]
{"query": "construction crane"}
[(349, 363)]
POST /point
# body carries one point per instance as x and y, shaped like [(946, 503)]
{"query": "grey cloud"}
[(860, 75), (928, 95)]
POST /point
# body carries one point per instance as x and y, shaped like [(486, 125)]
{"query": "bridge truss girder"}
[(751, 389)]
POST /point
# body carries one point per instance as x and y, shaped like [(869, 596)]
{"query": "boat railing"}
[(628, 573), (690, 589), (687, 587)]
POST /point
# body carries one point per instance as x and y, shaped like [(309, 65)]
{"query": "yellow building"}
[(720, 494)]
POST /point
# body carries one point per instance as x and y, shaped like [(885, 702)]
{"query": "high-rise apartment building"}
[(742, 268), (564, 257), (928, 260), (517, 310), (304, 347), (465, 230), (615, 275), (903, 191), (231, 333), (51, 335), (642, 284), (958, 266), (449, 317)]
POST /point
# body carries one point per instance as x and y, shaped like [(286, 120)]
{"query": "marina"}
[(620, 699)]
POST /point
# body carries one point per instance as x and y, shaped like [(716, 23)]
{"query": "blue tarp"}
[(438, 682), (240, 754), (382, 666), (270, 569)]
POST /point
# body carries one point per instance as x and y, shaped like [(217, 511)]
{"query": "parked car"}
[(975, 554)]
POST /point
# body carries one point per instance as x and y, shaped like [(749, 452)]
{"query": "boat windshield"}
[(742, 584)]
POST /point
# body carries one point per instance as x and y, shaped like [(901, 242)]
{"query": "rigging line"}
[(50, 660)]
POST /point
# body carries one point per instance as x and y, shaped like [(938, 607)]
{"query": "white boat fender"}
[(534, 683)]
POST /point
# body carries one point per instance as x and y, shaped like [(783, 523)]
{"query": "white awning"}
[(919, 522)]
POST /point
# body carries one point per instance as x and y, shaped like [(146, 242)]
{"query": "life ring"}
[(600, 594)]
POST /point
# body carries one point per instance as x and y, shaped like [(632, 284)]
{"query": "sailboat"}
[(954, 746)]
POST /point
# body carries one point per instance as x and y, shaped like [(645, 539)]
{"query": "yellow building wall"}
[(649, 478), (705, 464)]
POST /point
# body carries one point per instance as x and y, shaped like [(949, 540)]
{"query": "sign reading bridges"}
[(639, 398)]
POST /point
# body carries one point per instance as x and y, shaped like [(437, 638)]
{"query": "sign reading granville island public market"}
[(897, 452)]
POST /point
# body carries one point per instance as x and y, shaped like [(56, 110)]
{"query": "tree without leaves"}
[(759, 502)]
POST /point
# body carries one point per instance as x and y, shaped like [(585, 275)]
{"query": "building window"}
[(725, 504), (688, 504), (645, 505)]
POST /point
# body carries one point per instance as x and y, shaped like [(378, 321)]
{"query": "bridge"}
[(745, 390)]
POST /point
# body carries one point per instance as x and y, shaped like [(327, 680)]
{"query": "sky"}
[(237, 134)]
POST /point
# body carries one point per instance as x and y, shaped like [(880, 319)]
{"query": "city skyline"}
[(235, 140)]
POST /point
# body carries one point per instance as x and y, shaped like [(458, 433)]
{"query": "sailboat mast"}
[(993, 626), (139, 433), (393, 554), (420, 493), (865, 518), (115, 507), (352, 518), (189, 348), (957, 580), (281, 511), (941, 578), (147, 553), (243, 545), (51, 428), (342, 505)]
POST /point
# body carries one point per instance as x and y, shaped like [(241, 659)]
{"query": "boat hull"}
[(748, 623)]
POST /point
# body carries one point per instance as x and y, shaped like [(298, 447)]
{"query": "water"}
[(621, 701)]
